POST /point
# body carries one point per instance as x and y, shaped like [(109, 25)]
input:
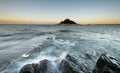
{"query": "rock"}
[(44, 65), (72, 65), (65, 30), (68, 65), (107, 64), (67, 21), (30, 68), (41, 67)]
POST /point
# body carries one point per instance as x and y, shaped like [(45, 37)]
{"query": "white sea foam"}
[(63, 55), (25, 55), (81, 40), (63, 42)]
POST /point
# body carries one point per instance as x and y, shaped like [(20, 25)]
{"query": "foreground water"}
[(26, 44)]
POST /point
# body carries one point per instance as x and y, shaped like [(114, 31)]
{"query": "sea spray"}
[(63, 55), (54, 62), (50, 53), (62, 42)]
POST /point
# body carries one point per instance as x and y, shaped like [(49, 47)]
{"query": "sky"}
[(54, 11)]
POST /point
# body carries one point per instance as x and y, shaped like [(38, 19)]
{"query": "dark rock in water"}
[(30, 68), (65, 30), (67, 21), (107, 64), (44, 66), (37, 68), (72, 65), (69, 65)]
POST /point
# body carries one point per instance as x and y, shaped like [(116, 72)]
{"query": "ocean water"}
[(26, 44)]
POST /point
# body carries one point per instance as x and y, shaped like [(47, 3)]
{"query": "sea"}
[(31, 43)]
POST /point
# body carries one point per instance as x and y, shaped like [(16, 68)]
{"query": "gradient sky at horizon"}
[(53, 11)]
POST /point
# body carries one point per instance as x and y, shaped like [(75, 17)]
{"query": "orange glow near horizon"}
[(31, 21), (54, 11), (25, 21)]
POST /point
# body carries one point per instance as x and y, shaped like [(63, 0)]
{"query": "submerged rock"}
[(65, 30), (107, 64)]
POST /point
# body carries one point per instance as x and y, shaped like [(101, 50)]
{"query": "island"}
[(67, 22)]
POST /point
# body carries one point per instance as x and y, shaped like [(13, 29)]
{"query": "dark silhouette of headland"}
[(67, 22)]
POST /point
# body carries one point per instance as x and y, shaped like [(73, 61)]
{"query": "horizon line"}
[(54, 24), (84, 22)]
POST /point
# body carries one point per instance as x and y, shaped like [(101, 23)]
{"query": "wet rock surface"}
[(71, 64), (43, 66), (68, 65), (107, 64)]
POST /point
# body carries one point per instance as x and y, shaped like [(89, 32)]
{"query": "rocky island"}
[(67, 22)]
